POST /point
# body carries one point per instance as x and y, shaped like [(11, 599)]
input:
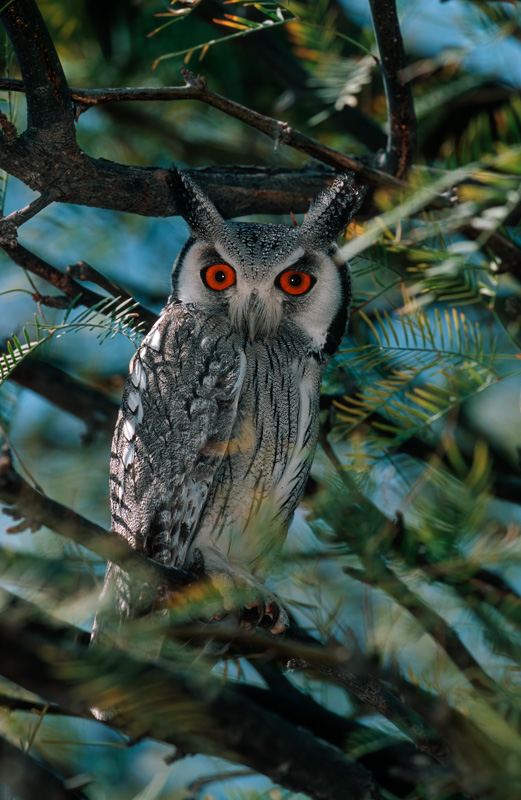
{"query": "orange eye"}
[(294, 282), (218, 277)]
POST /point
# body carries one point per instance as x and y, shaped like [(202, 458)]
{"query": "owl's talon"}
[(272, 614), (253, 613), (275, 620)]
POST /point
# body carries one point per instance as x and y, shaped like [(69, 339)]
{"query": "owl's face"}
[(261, 275)]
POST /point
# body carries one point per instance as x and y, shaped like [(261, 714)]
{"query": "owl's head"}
[(263, 275)]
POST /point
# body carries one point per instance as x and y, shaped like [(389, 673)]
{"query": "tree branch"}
[(48, 99), (400, 105), (65, 282), (150, 698), (38, 510), (94, 408)]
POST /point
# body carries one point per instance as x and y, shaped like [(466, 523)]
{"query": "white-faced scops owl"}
[(220, 413)]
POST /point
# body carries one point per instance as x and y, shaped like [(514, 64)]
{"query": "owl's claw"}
[(253, 613), (276, 620), (260, 612), (267, 616)]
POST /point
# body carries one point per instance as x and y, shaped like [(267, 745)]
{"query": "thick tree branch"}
[(150, 697), (48, 100), (55, 160), (196, 89), (400, 105)]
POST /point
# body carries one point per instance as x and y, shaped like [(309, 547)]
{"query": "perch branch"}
[(151, 696), (301, 710), (40, 510)]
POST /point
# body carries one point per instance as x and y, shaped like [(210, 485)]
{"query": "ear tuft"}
[(195, 206), (332, 211)]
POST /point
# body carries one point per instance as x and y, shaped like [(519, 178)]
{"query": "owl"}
[(219, 421)]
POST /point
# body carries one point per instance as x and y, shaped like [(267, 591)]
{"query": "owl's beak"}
[(253, 314)]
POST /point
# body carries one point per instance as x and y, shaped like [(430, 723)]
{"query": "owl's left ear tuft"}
[(195, 206), (332, 211)]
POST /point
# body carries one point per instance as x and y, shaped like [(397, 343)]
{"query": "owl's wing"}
[(178, 410)]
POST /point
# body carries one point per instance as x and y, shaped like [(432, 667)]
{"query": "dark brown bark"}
[(400, 105)]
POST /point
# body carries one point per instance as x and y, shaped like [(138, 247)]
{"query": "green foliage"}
[(423, 400), (108, 317)]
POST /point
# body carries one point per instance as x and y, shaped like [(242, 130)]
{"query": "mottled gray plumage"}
[(219, 420)]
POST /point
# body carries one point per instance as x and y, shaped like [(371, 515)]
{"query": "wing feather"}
[(178, 410)]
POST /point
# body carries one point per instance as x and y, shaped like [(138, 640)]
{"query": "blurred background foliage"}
[(421, 408)]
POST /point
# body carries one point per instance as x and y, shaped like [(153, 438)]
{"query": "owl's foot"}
[(268, 615), (235, 586)]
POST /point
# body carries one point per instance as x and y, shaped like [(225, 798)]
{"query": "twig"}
[(400, 105), (65, 282), (9, 225), (196, 89), (82, 271)]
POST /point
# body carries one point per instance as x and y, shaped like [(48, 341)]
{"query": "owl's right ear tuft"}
[(195, 206), (332, 211)]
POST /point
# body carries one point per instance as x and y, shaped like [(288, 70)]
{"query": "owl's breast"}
[(268, 456)]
